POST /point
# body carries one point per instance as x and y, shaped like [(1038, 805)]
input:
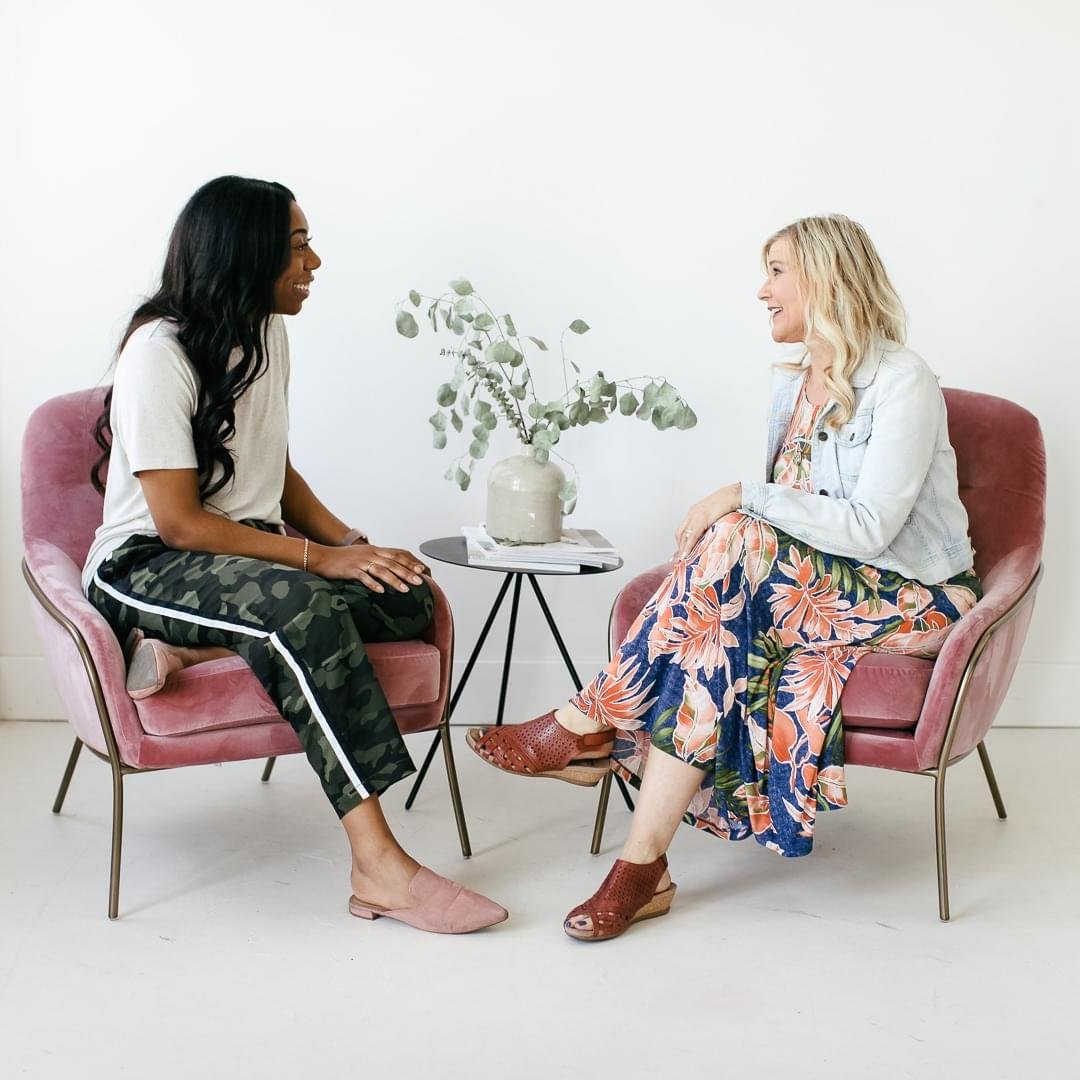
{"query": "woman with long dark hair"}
[(192, 552)]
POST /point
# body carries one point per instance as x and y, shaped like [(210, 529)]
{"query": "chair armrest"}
[(81, 649), (1009, 591)]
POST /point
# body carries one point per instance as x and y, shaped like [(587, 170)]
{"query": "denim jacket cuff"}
[(753, 497)]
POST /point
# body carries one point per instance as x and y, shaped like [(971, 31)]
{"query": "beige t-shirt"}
[(155, 391)]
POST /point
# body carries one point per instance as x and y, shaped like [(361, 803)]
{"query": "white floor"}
[(234, 956)]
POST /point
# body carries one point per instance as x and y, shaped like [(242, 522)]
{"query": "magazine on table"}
[(575, 549)]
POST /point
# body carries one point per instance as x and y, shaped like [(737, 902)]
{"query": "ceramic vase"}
[(523, 504)]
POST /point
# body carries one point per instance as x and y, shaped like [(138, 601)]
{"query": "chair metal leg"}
[(269, 769), (73, 757), (601, 813), (988, 770), (423, 769), (455, 791), (939, 837), (117, 837)]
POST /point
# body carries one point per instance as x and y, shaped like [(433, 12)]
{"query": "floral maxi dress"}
[(737, 663)]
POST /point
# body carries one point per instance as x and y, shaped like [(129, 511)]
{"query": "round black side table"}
[(452, 549)]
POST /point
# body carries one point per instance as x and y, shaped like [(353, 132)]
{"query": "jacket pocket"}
[(851, 440)]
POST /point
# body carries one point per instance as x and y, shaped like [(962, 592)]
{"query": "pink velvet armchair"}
[(922, 716), (211, 712)]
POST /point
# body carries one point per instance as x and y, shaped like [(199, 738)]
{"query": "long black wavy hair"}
[(229, 246)]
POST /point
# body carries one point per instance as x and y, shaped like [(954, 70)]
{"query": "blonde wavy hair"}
[(848, 299)]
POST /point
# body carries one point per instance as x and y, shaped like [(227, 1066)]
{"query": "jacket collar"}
[(864, 374)]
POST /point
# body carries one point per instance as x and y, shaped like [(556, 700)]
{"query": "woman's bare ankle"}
[(576, 721)]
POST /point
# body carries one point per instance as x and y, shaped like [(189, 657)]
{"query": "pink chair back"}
[(1001, 467), (59, 504)]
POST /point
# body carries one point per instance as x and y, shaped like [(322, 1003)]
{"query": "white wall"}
[(614, 162)]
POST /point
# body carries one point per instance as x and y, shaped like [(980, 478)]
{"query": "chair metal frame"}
[(120, 768), (938, 772)]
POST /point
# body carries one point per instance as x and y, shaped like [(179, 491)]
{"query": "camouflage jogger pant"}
[(301, 634)]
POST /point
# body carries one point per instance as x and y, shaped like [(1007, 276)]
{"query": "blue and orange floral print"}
[(737, 663)]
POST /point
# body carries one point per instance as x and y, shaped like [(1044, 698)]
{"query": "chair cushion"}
[(886, 692), (225, 694)]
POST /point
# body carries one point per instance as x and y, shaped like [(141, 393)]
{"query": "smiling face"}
[(293, 286), (782, 295)]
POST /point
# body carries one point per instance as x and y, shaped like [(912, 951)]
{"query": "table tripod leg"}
[(570, 667), (457, 692), (509, 649)]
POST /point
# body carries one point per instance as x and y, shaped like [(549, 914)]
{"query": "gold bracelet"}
[(307, 544)]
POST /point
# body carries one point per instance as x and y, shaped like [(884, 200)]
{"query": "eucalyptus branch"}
[(484, 376)]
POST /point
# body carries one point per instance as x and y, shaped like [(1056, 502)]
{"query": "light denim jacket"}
[(884, 485)]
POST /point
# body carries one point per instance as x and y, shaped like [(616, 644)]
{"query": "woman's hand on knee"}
[(374, 567), (703, 514)]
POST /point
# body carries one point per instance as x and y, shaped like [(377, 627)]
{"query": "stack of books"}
[(576, 548)]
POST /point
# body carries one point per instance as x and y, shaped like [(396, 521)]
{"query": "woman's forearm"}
[(302, 510), (205, 531)]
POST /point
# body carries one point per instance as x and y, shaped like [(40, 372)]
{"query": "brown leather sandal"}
[(543, 747), (626, 896)]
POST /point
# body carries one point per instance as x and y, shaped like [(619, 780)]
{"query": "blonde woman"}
[(719, 704)]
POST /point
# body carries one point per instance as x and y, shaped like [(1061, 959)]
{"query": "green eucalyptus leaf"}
[(542, 439), (511, 329), (540, 456), (414, 296), (597, 415), (433, 315), (667, 396), (459, 377), (658, 420), (538, 343), (462, 478), (477, 343), (481, 409), (577, 370), (463, 404), (628, 403), (480, 433), (568, 509), (579, 413), (455, 419), (438, 439), (438, 421), (568, 491), (535, 410), (561, 419), (406, 324), (461, 287), (671, 414), (477, 449), (457, 326), (464, 306), (608, 389), (648, 397), (446, 395), (579, 326), (517, 391), (449, 474), (502, 352), (490, 422), (483, 321), (687, 418)]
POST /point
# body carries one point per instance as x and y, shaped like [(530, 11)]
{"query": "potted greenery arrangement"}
[(492, 382)]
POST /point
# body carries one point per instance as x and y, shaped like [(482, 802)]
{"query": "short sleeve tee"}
[(155, 392)]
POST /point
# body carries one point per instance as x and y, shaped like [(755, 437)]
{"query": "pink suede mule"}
[(148, 665), (442, 907)]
